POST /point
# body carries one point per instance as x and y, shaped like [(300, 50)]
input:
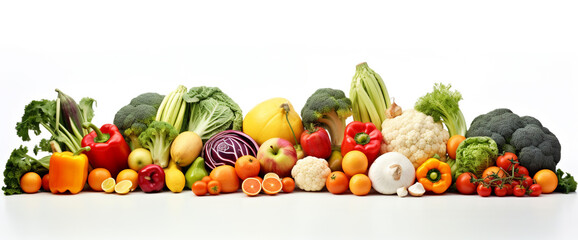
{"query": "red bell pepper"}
[(364, 137), (316, 143), (108, 148)]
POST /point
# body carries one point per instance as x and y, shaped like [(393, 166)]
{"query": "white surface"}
[(516, 54)]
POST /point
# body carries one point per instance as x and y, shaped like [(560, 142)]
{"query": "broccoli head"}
[(135, 117), (536, 147), (158, 138), (328, 108), (151, 99)]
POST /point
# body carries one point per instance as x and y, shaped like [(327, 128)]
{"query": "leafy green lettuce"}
[(211, 112), (17, 165), (566, 184), (474, 155)]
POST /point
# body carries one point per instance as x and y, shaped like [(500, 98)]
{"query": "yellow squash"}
[(268, 120)]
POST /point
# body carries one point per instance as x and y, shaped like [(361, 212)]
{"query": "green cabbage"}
[(211, 112), (474, 155)]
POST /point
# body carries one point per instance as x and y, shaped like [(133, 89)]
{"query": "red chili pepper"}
[(316, 143), (364, 137), (108, 148)]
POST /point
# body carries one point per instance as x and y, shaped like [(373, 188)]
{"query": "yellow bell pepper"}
[(68, 171), (434, 175)]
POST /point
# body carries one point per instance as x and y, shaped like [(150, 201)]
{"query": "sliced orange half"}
[(271, 175), (272, 185), (251, 186)]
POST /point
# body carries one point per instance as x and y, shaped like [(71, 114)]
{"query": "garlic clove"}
[(402, 192), (416, 190)]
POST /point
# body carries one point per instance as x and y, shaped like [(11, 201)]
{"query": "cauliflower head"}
[(310, 173), (416, 136)]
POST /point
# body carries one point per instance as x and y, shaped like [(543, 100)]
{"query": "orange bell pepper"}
[(434, 175), (68, 171)]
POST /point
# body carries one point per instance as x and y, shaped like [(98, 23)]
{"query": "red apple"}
[(277, 155), (151, 178)]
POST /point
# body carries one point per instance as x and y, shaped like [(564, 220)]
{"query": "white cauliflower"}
[(310, 173), (416, 136)]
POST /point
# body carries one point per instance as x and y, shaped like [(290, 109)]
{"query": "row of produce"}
[(198, 139)]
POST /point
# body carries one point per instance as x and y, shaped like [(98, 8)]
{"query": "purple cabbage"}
[(226, 147)]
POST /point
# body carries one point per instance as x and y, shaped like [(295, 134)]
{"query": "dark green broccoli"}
[(157, 138), (328, 108), (536, 147), (151, 99), (135, 117)]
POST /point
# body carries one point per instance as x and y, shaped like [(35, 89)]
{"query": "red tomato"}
[(507, 161), (464, 183), (535, 190), (510, 189), (519, 191), (527, 181), (492, 173), (484, 191), (514, 183), (500, 191), (45, 182), (521, 171)]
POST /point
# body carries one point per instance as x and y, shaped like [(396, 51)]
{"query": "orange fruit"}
[(247, 166), (288, 184), (271, 174), (199, 188), (260, 179), (452, 145), (360, 184), (337, 182), (30, 182), (128, 174), (272, 185), (354, 162), (547, 179), (251, 186), (227, 176), (96, 177), (214, 187)]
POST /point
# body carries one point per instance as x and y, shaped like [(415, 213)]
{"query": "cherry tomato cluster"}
[(505, 179)]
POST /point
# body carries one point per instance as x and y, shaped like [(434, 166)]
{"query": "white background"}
[(521, 55)]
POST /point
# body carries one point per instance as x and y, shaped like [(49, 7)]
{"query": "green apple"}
[(139, 158)]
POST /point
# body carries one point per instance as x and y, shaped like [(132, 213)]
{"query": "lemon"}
[(123, 187), (108, 185)]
